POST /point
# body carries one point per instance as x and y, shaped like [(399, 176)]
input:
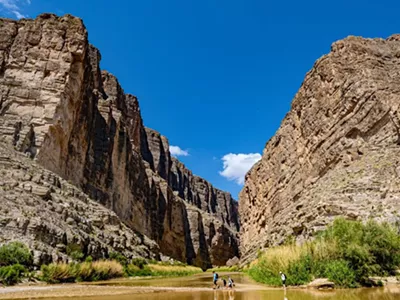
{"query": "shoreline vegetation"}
[(348, 253), (16, 266)]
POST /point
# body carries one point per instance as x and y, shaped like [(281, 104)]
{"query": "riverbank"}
[(68, 291), (348, 253), (130, 286)]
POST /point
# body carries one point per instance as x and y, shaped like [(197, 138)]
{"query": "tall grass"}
[(347, 253), (225, 269), (160, 269), (163, 270), (87, 271)]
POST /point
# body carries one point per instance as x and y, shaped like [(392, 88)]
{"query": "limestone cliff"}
[(212, 214), (49, 215), (75, 120), (336, 152)]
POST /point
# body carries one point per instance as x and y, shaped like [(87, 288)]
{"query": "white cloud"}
[(18, 14), (177, 151), (15, 7), (237, 165)]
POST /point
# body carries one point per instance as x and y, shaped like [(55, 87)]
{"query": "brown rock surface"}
[(336, 152), (49, 214), (75, 120), (191, 212)]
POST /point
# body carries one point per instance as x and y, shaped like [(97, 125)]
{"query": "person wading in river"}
[(283, 278), (231, 283), (215, 280)]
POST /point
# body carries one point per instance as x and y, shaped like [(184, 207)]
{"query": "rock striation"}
[(49, 214), (336, 152), (73, 119)]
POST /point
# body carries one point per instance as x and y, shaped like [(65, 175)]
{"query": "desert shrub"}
[(384, 245), (347, 252), (59, 272), (299, 271), (107, 269), (87, 271), (75, 252), (139, 262), (160, 270), (10, 275), (172, 271), (15, 253), (119, 258), (225, 269), (133, 270), (340, 273)]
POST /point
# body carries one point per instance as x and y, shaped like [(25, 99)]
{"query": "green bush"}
[(139, 262), (15, 253), (347, 252), (75, 252), (119, 258), (132, 270), (299, 272), (341, 273), (11, 275)]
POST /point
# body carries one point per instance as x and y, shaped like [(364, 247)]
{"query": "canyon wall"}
[(75, 120), (336, 153)]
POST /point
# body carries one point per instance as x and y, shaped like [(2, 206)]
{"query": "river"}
[(190, 288)]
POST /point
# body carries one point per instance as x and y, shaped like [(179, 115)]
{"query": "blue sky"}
[(216, 77)]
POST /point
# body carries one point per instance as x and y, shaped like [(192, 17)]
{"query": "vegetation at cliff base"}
[(16, 263), (225, 269), (15, 259), (142, 268), (15, 253), (347, 252), (87, 271)]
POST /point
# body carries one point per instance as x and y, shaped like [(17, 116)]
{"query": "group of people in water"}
[(231, 283), (226, 283)]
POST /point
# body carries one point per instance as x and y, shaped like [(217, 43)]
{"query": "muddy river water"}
[(196, 287)]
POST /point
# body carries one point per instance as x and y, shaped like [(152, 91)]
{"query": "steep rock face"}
[(191, 188), (336, 152), (57, 106), (210, 218), (49, 214)]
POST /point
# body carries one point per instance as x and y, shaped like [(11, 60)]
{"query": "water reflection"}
[(387, 293), (245, 290), (229, 295)]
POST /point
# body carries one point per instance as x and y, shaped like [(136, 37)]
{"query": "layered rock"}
[(50, 215), (210, 216), (57, 106), (336, 152), (193, 189)]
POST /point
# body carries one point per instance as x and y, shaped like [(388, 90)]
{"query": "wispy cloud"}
[(15, 7), (177, 151), (237, 165)]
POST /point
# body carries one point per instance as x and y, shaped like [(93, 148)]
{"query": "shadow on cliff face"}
[(203, 255), (92, 135)]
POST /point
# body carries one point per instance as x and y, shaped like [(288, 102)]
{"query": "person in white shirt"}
[(283, 277)]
